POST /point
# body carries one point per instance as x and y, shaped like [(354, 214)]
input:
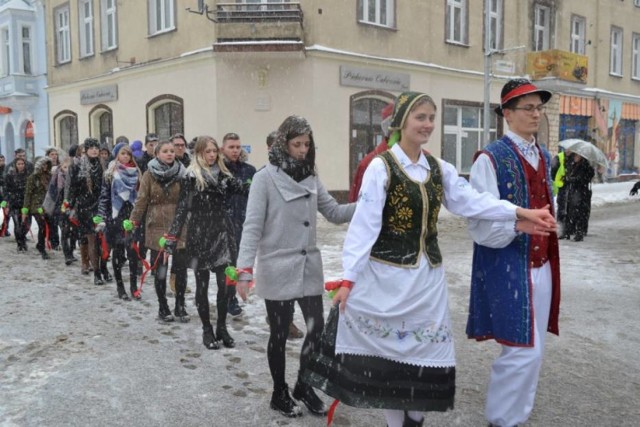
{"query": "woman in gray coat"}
[(279, 238)]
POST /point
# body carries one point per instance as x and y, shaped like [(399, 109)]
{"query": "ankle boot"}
[(208, 339), (223, 335), (105, 272), (180, 312), (122, 294), (282, 402), (97, 280), (164, 313), (308, 396), (133, 284), (410, 422)]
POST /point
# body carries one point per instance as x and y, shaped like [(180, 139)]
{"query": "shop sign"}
[(374, 79), (99, 95), (560, 64)]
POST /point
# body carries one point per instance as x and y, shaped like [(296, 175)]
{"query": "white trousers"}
[(515, 373)]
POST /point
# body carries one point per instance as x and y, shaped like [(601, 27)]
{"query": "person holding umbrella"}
[(578, 197)]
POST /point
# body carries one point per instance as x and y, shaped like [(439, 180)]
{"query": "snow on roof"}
[(16, 5)]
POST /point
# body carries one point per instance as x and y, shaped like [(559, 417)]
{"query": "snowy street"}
[(73, 354)]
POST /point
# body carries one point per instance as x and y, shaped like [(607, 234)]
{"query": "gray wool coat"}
[(279, 233)]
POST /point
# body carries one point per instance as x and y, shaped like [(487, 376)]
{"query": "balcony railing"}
[(259, 12)]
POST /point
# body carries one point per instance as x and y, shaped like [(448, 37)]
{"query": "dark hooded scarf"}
[(293, 126)]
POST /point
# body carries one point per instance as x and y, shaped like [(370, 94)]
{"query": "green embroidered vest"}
[(409, 217)]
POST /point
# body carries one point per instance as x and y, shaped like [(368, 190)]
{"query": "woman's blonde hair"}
[(199, 166), (108, 174)]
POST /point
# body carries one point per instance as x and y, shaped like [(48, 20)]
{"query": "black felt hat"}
[(520, 87)]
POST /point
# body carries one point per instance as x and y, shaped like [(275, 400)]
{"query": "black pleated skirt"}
[(376, 382)]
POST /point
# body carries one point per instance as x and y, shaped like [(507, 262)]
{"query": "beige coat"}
[(157, 208)]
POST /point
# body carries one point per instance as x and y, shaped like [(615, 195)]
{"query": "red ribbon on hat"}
[(519, 91)]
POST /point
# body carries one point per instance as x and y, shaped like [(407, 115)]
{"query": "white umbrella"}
[(585, 149)]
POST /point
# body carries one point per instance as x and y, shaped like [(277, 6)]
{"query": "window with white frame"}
[(27, 49), (5, 47), (496, 11), (456, 21), (463, 132), (109, 24), (578, 34), (85, 27), (161, 16), (635, 56), (379, 12), (615, 62), (541, 27), (63, 36), (636, 2)]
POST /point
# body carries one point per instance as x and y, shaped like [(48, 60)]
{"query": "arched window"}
[(28, 141), (364, 130), (165, 116), (101, 124), (65, 125)]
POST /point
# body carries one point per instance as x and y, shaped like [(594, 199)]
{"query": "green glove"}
[(231, 273), (248, 181), (162, 242), (3, 204), (127, 225), (24, 211), (97, 219), (40, 211)]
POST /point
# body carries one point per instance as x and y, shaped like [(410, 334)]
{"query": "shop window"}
[(165, 116), (463, 128), (365, 130), (66, 129), (574, 127)]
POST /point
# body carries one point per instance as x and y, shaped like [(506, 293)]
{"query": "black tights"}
[(280, 315), (179, 267), (122, 252), (202, 297)]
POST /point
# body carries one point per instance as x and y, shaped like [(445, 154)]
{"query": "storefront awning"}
[(630, 111), (576, 106)]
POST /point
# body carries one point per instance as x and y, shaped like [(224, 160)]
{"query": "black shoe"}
[(123, 295), (282, 402), (234, 309), (106, 276), (410, 422), (97, 280), (164, 314), (223, 335), (181, 314), (308, 396), (564, 236), (208, 339), (44, 255), (69, 260), (578, 238)]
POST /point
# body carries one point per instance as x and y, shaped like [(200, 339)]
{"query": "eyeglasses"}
[(178, 145), (530, 108)]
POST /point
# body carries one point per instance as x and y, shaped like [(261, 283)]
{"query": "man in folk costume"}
[(515, 280)]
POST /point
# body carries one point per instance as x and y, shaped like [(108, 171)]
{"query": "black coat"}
[(84, 194), (210, 240), (143, 161), (15, 185), (238, 202), (113, 232), (577, 181)]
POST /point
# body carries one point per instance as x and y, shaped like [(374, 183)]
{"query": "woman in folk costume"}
[(394, 346), (279, 238), (117, 198), (156, 204), (209, 235)]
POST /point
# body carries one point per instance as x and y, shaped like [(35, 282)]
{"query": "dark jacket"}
[(237, 203), (84, 192), (143, 161), (185, 160), (210, 238), (15, 185)]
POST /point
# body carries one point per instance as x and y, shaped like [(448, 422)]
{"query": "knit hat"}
[(403, 105), (136, 147), (117, 148), (516, 88), (91, 142)]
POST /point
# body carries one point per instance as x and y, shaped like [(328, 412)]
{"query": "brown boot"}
[(84, 258), (294, 332)]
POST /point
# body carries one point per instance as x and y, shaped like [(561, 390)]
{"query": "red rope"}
[(5, 222), (332, 410), (147, 267), (103, 246), (46, 233)]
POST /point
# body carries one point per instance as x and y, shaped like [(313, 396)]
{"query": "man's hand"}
[(541, 218), (533, 228)]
